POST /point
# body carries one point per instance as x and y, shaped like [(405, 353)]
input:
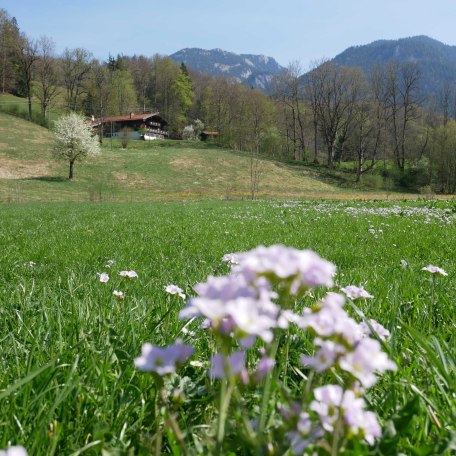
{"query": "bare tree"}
[(76, 66), (100, 94), (336, 90), (258, 115), (367, 134), (312, 90), (27, 55), (141, 69), (445, 101), (47, 78), (401, 100), (287, 91)]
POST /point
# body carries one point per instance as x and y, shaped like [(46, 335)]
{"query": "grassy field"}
[(162, 170), (68, 384)]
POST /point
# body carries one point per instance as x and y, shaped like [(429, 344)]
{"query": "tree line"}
[(378, 124)]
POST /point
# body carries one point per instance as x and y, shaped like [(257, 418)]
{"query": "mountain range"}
[(436, 61), (253, 70)]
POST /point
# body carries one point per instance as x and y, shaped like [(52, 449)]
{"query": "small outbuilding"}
[(205, 135)]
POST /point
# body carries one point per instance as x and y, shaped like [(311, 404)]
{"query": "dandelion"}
[(103, 277), (175, 290), (128, 274), (165, 360), (434, 270), (120, 295), (353, 292)]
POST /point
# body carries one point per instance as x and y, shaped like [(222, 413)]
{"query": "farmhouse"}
[(134, 126)]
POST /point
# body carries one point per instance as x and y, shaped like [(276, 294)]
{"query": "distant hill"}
[(145, 171), (252, 70), (436, 61)]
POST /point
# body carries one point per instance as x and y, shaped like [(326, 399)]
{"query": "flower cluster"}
[(298, 270), (255, 303), (332, 404), (343, 342)]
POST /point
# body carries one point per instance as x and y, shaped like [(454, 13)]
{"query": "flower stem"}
[(267, 390), (226, 390)]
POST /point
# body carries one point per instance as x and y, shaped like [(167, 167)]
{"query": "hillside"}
[(436, 61), (253, 70), (162, 170)]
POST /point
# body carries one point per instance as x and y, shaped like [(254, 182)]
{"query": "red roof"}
[(131, 117)]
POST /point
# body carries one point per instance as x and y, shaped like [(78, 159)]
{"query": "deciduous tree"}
[(47, 77), (9, 42), (74, 140), (27, 55), (287, 91), (76, 66)]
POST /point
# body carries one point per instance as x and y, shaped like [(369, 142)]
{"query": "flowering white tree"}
[(74, 140)]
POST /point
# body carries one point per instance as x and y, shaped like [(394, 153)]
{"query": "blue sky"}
[(304, 30)]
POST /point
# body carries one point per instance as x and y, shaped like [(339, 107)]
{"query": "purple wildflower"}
[(163, 361), (227, 366), (354, 292), (434, 270)]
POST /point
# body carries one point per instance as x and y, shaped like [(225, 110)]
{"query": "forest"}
[(377, 126)]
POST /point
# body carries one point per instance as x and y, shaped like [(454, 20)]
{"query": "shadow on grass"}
[(319, 173), (49, 178)]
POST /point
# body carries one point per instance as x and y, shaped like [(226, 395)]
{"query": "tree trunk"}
[(71, 169), (315, 142), (29, 96)]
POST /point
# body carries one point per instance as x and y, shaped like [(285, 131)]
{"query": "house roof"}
[(132, 117)]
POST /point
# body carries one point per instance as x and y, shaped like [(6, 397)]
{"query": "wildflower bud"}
[(178, 398)]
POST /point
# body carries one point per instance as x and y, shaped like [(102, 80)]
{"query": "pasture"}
[(68, 384)]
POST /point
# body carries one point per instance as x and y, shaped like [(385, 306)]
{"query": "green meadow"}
[(159, 171), (68, 384), (169, 211)]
